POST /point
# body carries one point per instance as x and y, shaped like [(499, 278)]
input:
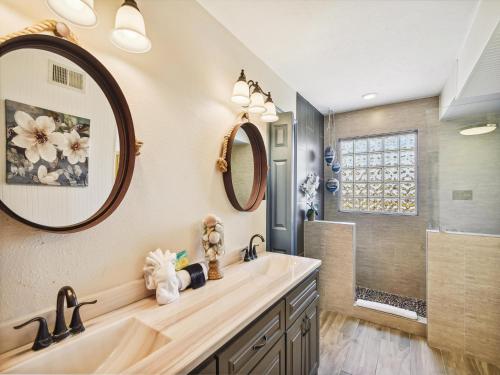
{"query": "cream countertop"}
[(190, 329)]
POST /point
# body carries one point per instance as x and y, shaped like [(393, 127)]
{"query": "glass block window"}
[(379, 174)]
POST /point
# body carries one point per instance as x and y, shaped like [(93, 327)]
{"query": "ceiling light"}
[(129, 33), (479, 129), (369, 96), (79, 12), (270, 114), (256, 100), (241, 90)]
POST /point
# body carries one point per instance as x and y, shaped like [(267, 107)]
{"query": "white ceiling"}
[(332, 52)]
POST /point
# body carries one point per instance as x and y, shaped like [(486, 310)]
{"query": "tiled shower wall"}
[(390, 249), (309, 159)]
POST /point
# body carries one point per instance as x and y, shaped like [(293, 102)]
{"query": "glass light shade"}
[(270, 114), (369, 96), (256, 103), (477, 130), (79, 12), (130, 32), (241, 93)]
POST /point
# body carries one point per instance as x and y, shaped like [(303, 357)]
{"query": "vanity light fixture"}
[(479, 129), (241, 90), (78, 12), (270, 114), (129, 33), (257, 102), (369, 96)]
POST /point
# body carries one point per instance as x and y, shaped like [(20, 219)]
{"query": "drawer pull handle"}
[(260, 345)]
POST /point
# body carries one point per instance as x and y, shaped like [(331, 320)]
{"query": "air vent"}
[(63, 76)]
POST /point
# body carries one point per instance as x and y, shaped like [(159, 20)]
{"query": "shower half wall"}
[(390, 249)]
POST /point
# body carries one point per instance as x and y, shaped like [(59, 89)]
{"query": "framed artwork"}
[(45, 147)]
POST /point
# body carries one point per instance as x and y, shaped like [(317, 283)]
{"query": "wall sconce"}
[(78, 12), (257, 102), (129, 33)]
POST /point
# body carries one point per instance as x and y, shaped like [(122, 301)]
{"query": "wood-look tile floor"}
[(350, 346)]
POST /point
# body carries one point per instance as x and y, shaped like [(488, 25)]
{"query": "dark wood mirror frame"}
[(121, 111), (259, 168)]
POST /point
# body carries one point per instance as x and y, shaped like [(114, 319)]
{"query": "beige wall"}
[(464, 294), (390, 250), (179, 98)]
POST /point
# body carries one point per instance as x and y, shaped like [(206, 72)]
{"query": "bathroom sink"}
[(108, 350), (272, 265)]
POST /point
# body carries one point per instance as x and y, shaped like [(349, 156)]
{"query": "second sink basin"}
[(272, 265), (109, 350)]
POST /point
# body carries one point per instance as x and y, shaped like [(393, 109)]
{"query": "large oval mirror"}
[(246, 175), (66, 139)]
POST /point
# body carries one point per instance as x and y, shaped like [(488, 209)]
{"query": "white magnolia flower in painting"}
[(36, 136), (17, 171), (47, 178), (74, 147)]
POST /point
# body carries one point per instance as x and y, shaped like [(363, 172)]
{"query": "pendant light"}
[(241, 91), (78, 12), (256, 100), (270, 114), (129, 33)]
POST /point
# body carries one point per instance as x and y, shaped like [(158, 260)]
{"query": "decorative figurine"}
[(213, 244), (329, 155), (332, 185), (336, 167)]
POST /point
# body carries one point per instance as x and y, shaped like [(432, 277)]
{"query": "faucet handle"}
[(247, 254), (43, 337), (76, 325)]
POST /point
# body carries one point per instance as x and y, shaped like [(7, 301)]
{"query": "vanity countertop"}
[(187, 330)]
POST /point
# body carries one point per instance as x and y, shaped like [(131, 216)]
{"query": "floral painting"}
[(46, 147)]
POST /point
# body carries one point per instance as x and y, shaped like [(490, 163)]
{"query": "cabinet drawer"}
[(209, 367), (273, 362), (241, 355), (299, 298)]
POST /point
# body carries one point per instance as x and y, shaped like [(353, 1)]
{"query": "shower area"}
[(406, 172)]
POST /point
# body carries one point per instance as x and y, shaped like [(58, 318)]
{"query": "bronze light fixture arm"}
[(253, 84)]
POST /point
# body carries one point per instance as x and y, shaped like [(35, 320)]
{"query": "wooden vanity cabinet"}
[(283, 340)]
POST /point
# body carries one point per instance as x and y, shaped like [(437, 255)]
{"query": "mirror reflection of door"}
[(242, 167)]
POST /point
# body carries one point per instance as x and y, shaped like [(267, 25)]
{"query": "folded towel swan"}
[(159, 274)]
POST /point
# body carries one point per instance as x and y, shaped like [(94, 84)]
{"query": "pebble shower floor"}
[(408, 303)]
